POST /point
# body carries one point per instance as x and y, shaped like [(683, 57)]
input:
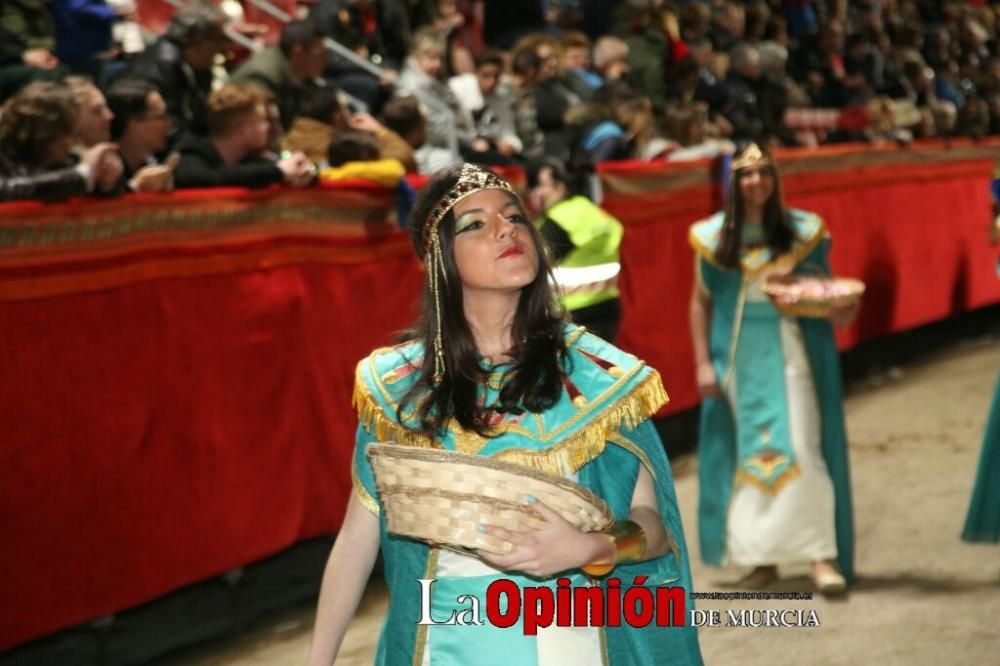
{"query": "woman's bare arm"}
[(344, 580)]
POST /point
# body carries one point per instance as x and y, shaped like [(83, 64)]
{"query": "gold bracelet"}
[(629, 542)]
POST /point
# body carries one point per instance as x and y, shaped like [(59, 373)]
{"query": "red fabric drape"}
[(160, 433)]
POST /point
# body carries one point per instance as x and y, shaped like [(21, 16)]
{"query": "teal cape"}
[(718, 464), (983, 520), (599, 429)]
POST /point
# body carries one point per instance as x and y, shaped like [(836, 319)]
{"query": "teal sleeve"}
[(671, 568)]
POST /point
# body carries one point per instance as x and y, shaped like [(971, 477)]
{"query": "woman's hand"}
[(558, 546), (708, 381)]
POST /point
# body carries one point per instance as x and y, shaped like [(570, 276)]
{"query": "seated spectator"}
[(611, 58), (354, 155), (140, 127), (449, 127), (324, 116), (741, 94), (352, 146), (180, 64), (554, 94), (404, 116), (37, 133), (289, 68), (525, 68), (576, 63), (32, 22), (490, 102), (232, 154), (93, 123), (27, 42), (83, 34), (690, 127), (376, 31), (407, 117)]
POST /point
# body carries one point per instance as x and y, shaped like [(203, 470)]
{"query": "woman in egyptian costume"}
[(494, 370), (982, 522), (774, 487)]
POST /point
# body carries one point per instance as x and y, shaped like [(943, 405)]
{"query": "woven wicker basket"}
[(818, 307), (442, 497)]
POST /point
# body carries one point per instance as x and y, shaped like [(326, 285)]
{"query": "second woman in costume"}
[(773, 471)]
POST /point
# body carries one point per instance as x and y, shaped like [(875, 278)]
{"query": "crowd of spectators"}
[(427, 83)]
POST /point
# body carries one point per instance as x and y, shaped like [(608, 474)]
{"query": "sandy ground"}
[(923, 596)]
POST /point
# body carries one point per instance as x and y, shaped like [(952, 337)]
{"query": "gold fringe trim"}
[(572, 453), (363, 495), (797, 253), (773, 488), (382, 425), (566, 457)]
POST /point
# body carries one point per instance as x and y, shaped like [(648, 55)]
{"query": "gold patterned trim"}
[(372, 416), (773, 488), (569, 455), (795, 254), (363, 495), (621, 440), (421, 643), (124, 224)]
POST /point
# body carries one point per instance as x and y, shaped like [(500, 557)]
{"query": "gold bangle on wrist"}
[(629, 542)]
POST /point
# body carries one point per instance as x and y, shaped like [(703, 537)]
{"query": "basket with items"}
[(812, 296), (443, 497)]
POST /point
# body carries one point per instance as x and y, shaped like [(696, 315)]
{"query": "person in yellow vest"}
[(584, 241)]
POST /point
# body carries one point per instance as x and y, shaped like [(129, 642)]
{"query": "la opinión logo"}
[(567, 606)]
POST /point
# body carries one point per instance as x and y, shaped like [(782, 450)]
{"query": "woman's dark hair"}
[(35, 118), (533, 383), (128, 100), (777, 227)]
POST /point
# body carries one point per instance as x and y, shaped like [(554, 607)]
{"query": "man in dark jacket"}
[(288, 69), (233, 153), (180, 63)]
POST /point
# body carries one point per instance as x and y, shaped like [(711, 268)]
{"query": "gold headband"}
[(472, 179), (752, 155)]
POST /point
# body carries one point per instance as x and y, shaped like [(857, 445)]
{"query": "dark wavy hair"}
[(35, 118), (777, 225), (534, 382)]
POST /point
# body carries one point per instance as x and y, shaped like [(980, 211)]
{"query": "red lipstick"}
[(514, 250)]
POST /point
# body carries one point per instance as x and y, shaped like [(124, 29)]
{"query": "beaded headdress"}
[(752, 155), (472, 179)]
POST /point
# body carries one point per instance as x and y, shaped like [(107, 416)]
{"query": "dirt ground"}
[(923, 596)]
